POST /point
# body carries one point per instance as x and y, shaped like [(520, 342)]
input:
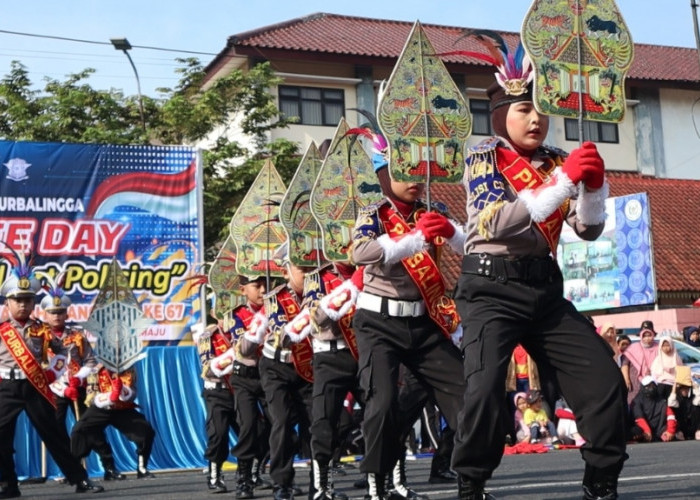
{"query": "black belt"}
[(245, 371), (536, 270)]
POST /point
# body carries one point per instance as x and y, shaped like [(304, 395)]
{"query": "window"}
[(312, 105), (592, 131), (481, 118)]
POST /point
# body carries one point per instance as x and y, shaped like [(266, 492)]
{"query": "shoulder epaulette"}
[(486, 145)]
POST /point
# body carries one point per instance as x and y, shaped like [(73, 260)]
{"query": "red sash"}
[(26, 360), (330, 283), (104, 384), (520, 174), (302, 352), (425, 274)]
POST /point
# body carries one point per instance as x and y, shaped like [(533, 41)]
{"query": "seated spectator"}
[(522, 431), (663, 368), (522, 376), (653, 419), (685, 403), (566, 424), (536, 419), (637, 359), (691, 335)]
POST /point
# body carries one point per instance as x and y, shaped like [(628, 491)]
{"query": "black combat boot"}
[(244, 484), (142, 469), (398, 490), (470, 489), (601, 484), (111, 472), (376, 487), (215, 479), (256, 473)]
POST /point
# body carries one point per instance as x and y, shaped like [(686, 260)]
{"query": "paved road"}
[(654, 471)]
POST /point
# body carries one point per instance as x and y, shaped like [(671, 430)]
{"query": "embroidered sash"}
[(302, 352), (425, 274), (520, 174), (330, 283), (26, 360)]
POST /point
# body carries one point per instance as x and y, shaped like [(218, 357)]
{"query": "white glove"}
[(300, 327), (222, 365), (256, 330), (83, 373), (337, 303), (102, 400)]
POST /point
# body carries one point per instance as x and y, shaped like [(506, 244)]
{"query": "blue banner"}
[(617, 269), (75, 207)]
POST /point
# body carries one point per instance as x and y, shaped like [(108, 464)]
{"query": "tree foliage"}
[(211, 115)]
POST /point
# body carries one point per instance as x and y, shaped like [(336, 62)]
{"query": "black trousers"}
[(129, 422), (496, 315), (413, 398), (288, 399), (335, 374), (101, 446), (18, 395), (221, 415), (251, 417), (384, 343)]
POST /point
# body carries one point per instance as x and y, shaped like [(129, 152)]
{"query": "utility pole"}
[(694, 6)]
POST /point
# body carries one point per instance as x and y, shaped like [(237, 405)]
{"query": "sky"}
[(200, 28)]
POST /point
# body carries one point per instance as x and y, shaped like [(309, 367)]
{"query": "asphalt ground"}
[(654, 471)]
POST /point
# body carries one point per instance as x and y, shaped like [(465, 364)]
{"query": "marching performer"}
[(329, 297), (253, 424), (69, 389), (110, 397), (402, 316), (285, 373), (519, 194), (24, 384)]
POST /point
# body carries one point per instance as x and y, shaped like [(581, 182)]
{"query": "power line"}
[(93, 42)]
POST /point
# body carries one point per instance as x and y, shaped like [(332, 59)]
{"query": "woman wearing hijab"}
[(609, 334), (636, 362), (663, 368)]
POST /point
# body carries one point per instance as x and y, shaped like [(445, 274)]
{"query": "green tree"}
[(191, 113)]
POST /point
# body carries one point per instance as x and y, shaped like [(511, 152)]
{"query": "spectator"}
[(522, 431), (537, 420), (653, 419), (636, 363), (566, 424), (623, 342), (522, 376), (663, 368), (608, 332), (685, 403), (691, 335)]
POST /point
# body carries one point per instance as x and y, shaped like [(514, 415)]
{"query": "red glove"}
[(71, 393), (116, 389), (433, 224), (358, 278), (585, 164)]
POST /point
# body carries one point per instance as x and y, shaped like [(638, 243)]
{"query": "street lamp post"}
[(124, 45)]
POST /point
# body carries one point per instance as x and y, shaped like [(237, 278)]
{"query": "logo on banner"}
[(17, 169)]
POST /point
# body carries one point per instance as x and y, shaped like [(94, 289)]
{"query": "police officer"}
[(251, 417), (110, 397), (519, 194), (69, 390), (400, 318), (24, 385), (287, 392), (329, 296)]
